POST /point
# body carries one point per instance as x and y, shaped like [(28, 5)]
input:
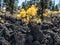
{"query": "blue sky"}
[(56, 1), (20, 2)]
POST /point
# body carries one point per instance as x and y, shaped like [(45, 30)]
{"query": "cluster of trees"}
[(10, 5), (41, 4), (55, 8)]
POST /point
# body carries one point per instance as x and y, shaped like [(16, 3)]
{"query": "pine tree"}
[(10, 5), (56, 8)]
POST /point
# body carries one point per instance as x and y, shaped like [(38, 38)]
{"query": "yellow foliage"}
[(47, 12), (23, 13), (26, 20), (28, 14), (36, 20), (18, 16), (32, 11), (39, 21), (29, 11), (54, 12), (3, 10)]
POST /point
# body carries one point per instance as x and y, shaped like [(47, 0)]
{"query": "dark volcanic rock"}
[(15, 32)]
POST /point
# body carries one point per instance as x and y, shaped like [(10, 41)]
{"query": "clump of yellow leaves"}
[(54, 12), (47, 12), (21, 14), (32, 11), (3, 10), (37, 20), (26, 15)]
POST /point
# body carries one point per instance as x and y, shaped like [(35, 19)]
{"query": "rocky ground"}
[(15, 32)]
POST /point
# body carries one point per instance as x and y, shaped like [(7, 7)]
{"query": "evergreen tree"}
[(10, 5), (56, 8), (43, 4)]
